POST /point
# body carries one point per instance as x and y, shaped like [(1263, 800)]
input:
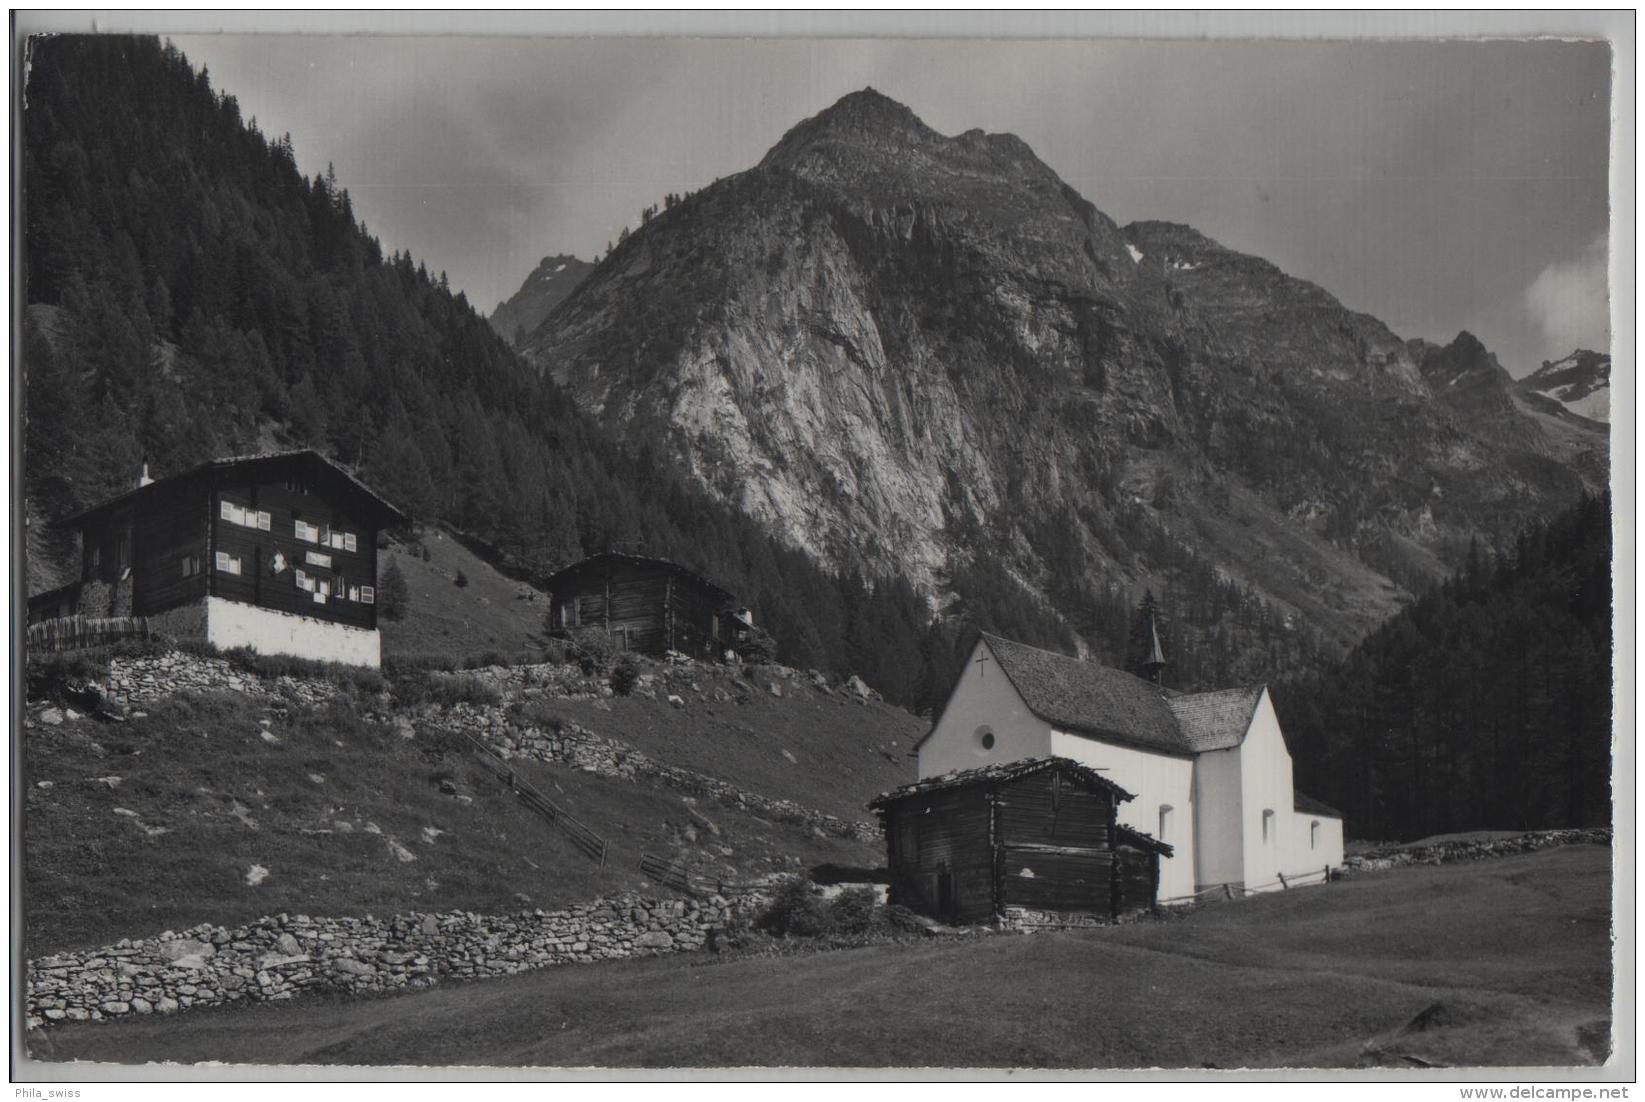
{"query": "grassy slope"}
[(1515, 953), (843, 753), (491, 613), (198, 767)]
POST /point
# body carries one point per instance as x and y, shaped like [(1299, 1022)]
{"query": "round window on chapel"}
[(985, 738)]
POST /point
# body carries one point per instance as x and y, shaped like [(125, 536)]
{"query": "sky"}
[(1437, 186)]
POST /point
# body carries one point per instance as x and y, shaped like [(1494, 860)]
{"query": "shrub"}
[(51, 675), (535, 713), (796, 910), (461, 580), (270, 666), (445, 690), (856, 910), (760, 648), (623, 676), (482, 659), (402, 664), (594, 649)]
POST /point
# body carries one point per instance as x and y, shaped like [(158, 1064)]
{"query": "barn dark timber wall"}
[(963, 850), (648, 605)]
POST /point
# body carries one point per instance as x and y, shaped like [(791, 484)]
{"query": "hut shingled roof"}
[(997, 773)]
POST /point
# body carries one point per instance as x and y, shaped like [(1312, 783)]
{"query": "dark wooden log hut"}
[(1037, 835), (649, 605)]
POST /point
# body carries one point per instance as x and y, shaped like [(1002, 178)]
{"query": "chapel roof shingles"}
[(1089, 698), (1216, 720)]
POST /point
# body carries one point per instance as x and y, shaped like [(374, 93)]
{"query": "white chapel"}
[(1210, 771)]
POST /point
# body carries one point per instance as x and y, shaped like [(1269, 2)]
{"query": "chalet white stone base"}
[(232, 624)]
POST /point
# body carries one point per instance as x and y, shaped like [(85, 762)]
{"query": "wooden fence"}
[(1229, 892), (581, 836), (676, 875), (670, 874), (76, 632)]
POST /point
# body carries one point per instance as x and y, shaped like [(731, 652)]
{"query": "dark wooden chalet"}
[(290, 533), (1036, 835), (649, 605)]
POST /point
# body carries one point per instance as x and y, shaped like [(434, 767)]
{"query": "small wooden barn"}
[(1036, 835), (649, 605)]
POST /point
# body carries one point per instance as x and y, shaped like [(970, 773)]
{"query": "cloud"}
[(1570, 302)]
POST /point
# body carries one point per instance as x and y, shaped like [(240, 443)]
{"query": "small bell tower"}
[(1154, 665)]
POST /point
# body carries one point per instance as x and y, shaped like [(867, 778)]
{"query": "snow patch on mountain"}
[(1581, 382)]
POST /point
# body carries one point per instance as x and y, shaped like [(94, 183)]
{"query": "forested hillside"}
[(193, 294), (1485, 705)]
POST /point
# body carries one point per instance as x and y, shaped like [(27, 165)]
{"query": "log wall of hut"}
[(941, 855), (1046, 841), (647, 607), (1057, 838), (1136, 878)]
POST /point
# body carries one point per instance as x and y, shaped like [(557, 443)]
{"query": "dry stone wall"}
[(1441, 853), (284, 956), (139, 680), (581, 748)]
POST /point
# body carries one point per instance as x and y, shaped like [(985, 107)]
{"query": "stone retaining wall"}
[(1444, 852), (581, 748), (140, 680), (283, 956)]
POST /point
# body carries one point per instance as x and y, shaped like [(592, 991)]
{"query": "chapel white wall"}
[(1327, 850), (1219, 837), (1155, 780), (984, 698), (1268, 784)]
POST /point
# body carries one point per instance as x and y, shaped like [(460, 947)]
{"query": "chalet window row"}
[(261, 520), (320, 534), (324, 589), (321, 589)]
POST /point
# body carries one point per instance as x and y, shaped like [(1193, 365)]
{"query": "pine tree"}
[(393, 594)]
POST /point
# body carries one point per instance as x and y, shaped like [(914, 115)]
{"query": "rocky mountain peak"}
[(1580, 383), (928, 356), (1464, 362), (866, 116), (551, 281)]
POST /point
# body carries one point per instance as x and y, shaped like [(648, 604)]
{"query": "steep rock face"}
[(552, 280), (1466, 377), (900, 349)]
